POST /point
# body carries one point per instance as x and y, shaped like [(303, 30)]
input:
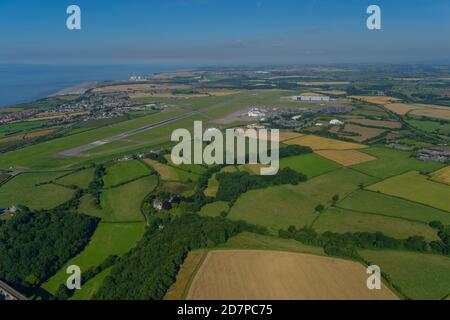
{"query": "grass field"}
[(253, 241), (442, 175), (376, 99), (124, 203), (91, 287), (80, 179), (392, 162), (420, 276), (22, 189), (170, 173), (124, 171), (295, 205), (6, 129), (311, 165), (377, 123), (346, 157), (268, 275), (343, 220), (320, 143), (392, 206), (214, 209), (416, 187), (109, 239), (425, 125)]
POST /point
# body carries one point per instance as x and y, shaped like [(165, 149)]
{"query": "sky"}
[(224, 32)]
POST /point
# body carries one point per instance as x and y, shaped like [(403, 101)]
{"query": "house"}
[(336, 122)]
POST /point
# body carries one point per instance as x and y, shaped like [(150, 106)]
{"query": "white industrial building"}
[(336, 122)]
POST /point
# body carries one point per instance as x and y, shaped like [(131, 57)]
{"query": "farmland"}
[(311, 165), (254, 275), (415, 187), (392, 162), (80, 179), (109, 239), (442, 175), (320, 143), (25, 189), (124, 171), (346, 157), (363, 133), (295, 205), (344, 220), (124, 203), (393, 207), (420, 276), (376, 123), (214, 209)]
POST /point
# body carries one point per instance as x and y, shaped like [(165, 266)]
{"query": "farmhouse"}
[(336, 122)]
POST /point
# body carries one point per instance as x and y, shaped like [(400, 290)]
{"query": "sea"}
[(21, 83)]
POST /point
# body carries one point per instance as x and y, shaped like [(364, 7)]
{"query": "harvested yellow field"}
[(375, 99), (346, 157), (320, 143), (275, 275), (442, 175), (322, 83), (433, 113), (166, 172), (401, 108), (287, 135), (333, 92)]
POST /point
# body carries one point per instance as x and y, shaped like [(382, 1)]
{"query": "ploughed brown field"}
[(274, 275)]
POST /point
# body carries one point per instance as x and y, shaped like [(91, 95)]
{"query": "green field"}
[(344, 220), (88, 289), (214, 209), (109, 239), (419, 275), (392, 162), (416, 187), (124, 203), (311, 165), (392, 206), (22, 190), (6, 129), (425, 125), (80, 179), (124, 171), (281, 206), (253, 241)]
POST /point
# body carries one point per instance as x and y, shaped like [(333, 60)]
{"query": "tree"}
[(320, 208)]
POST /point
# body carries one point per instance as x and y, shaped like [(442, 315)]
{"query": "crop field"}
[(261, 275), (442, 175), (170, 173), (377, 123), (123, 171), (392, 162), (401, 108), (343, 220), (375, 99), (295, 205), (393, 207), (124, 203), (22, 189), (425, 125), (416, 187), (109, 239), (364, 133), (80, 179), (419, 275), (323, 83), (214, 209), (311, 165), (441, 113), (320, 143), (26, 136), (346, 157)]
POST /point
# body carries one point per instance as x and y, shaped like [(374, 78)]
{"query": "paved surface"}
[(78, 150)]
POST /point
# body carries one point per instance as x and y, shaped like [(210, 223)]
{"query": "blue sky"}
[(224, 31)]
